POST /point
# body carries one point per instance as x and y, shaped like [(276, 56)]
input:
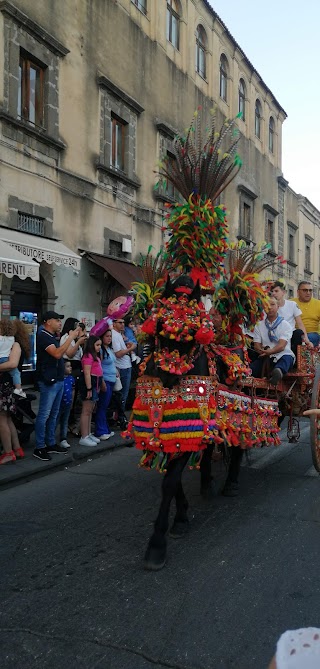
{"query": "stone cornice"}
[(272, 211), (42, 136), (34, 28), (250, 193), (165, 129), (283, 183), (104, 82), (120, 176)]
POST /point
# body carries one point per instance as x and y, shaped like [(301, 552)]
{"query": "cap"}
[(51, 314)]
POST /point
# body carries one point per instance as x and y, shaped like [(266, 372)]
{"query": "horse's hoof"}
[(155, 558), (231, 490), (207, 492), (179, 529)]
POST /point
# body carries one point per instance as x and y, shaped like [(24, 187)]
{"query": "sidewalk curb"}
[(30, 468)]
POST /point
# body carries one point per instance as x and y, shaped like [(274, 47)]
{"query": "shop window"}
[(223, 78), (201, 43), (141, 5), (31, 224), (173, 23), (242, 99), (257, 119), (31, 91)]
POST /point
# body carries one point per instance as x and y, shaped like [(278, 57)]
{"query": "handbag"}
[(118, 385)]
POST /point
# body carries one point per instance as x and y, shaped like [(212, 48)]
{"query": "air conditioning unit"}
[(126, 246)]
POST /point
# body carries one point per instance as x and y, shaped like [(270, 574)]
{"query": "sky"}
[(282, 40)]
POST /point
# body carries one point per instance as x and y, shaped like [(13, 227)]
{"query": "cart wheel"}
[(315, 421)]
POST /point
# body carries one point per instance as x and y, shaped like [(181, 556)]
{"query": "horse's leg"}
[(181, 523), (156, 552), (205, 470), (231, 488)]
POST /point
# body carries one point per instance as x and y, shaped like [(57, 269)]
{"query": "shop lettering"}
[(41, 255), (11, 269)]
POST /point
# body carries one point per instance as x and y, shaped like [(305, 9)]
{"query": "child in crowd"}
[(91, 381), (6, 343), (130, 336), (66, 404)]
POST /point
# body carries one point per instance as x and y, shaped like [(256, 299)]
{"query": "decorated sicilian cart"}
[(191, 397)]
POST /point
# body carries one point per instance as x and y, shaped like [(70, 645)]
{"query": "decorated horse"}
[(188, 397)]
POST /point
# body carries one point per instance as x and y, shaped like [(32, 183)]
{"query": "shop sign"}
[(47, 256), (88, 318), (11, 268)]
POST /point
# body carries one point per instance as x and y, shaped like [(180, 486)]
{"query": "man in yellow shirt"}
[(310, 311)]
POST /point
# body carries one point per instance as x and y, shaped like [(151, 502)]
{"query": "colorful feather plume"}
[(198, 231), (241, 296), (154, 272)]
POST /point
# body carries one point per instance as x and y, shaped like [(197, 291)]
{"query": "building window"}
[(223, 77), (31, 224), (170, 190), (118, 129), (290, 292), (31, 91), (173, 23), (291, 244), (141, 4), (201, 43), (307, 255), (245, 220), (271, 134), (242, 99), (270, 232), (257, 119), (115, 249)]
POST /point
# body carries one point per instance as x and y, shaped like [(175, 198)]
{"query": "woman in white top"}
[(74, 353), (290, 311)]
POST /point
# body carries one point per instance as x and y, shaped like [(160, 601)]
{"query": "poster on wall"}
[(88, 318)]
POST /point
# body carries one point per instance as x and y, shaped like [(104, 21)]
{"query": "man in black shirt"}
[(50, 373)]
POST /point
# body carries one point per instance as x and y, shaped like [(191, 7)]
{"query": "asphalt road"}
[(74, 594)]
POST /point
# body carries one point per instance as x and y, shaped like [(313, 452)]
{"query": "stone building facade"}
[(91, 95)]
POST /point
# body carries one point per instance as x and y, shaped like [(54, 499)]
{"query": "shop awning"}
[(13, 263), (33, 247), (123, 272)]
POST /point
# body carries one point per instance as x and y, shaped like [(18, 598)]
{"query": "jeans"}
[(101, 425), (314, 337), (63, 419), (49, 406), (14, 373), (125, 376), (284, 363)]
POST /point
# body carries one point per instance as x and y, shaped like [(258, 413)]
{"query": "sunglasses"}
[(306, 290)]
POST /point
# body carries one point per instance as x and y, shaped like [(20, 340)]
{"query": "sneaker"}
[(19, 392), (57, 449), (86, 441), (41, 454), (276, 376), (104, 437), (64, 444), (95, 439)]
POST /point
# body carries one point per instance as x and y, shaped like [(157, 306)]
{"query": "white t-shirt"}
[(283, 331), (118, 344), (289, 312), (6, 344), (78, 354)]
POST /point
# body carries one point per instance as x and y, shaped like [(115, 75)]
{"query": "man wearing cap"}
[(50, 375)]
